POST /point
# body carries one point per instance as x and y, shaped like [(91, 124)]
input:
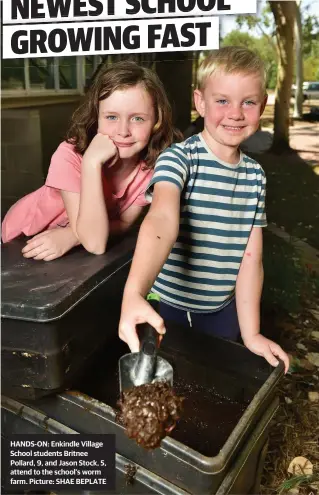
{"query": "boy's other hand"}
[(50, 244), (136, 310), (262, 346)]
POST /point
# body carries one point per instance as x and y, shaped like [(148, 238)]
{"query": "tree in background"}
[(276, 22), (299, 64), (266, 50), (285, 15), (264, 24), (265, 44)]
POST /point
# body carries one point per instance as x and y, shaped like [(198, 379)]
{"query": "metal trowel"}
[(145, 366)]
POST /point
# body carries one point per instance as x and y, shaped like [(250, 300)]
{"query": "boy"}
[(204, 224)]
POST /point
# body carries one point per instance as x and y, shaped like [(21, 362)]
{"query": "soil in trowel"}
[(149, 412)]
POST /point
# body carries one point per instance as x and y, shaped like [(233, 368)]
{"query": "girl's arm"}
[(92, 227), (92, 224), (156, 238), (248, 294), (87, 211)]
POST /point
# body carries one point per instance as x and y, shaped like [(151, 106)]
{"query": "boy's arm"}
[(156, 238), (248, 294)]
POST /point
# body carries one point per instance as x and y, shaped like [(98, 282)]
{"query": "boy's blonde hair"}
[(231, 60)]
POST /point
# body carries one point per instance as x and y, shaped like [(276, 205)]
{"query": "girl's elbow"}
[(91, 242), (96, 250), (93, 246)]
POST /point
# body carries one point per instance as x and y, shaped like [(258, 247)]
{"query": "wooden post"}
[(175, 71)]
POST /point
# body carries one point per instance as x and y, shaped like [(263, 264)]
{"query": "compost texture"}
[(149, 412)]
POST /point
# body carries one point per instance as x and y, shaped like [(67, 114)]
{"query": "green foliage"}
[(264, 22), (297, 481), (310, 35), (238, 38), (311, 69), (265, 25), (259, 45)]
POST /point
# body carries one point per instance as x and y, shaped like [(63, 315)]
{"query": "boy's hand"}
[(101, 150), (50, 244), (136, 310), (262, 346)]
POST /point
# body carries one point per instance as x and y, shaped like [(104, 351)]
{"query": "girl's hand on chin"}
[(101, 149)]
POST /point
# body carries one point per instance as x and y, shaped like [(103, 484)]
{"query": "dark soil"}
[(130, 472)]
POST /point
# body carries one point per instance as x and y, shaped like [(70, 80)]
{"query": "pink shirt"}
[(44, 208)]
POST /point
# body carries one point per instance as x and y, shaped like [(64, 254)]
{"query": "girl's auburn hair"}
[(122, 75)]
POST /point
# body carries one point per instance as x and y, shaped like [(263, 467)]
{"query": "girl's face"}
[(127, 116)]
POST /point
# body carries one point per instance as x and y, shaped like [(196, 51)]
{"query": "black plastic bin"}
[(242, 478), (231, 396), (56, 314)]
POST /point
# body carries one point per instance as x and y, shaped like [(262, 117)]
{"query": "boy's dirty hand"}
[(262, 346), (101, 150), (136, 310), (50, 244)]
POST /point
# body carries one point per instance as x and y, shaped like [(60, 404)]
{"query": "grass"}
[(297, 481)]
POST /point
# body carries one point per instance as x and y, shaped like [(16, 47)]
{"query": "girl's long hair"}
[(122, 75)]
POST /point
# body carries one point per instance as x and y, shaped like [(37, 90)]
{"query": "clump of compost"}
[(130, 472), (149, 412)]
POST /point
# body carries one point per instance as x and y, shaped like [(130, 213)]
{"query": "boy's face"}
[(231, 105)]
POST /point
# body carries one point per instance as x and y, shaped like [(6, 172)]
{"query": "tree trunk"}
[(284, 13), (299, 64)]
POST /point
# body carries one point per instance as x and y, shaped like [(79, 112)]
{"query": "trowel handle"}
[(147, 357), (150, 340)]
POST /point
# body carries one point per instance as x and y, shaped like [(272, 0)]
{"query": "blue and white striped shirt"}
[(220, 203)]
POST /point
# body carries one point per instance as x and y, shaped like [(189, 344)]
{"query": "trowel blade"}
[(127, 375)]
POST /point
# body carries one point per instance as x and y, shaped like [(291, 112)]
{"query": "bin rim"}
[(55, 300)]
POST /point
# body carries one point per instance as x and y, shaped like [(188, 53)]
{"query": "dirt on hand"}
[(149, 412)]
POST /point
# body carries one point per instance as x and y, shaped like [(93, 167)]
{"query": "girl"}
[(97, 177)]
